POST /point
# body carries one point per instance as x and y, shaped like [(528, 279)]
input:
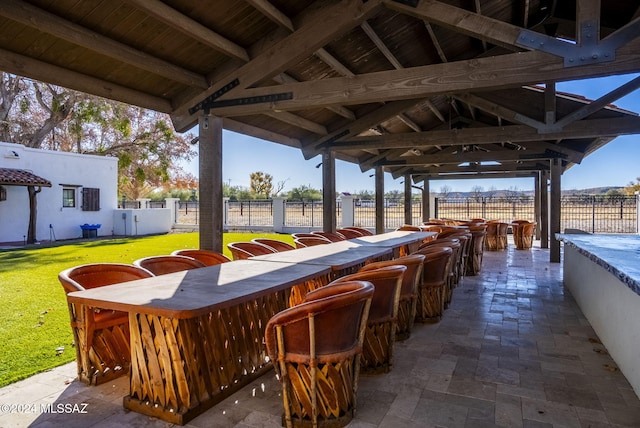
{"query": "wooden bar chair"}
[(315, 348), (279, 246), (350, 233), (377, 354), (310, 241), (454, 267), (244, 250), (162, 265), (365, 232), (432, 288), (410, 228), (208, 258), (476, 252), (101, 336), (408, 301), (333, 237), (523, 231)]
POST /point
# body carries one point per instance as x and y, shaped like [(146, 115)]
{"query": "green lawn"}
[(34, 320)]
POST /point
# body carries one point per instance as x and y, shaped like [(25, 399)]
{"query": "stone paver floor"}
[(513, 350)]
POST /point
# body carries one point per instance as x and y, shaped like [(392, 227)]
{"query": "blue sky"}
[(615, 164)]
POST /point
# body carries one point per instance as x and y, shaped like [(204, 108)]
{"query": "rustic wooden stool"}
[(315, 349)]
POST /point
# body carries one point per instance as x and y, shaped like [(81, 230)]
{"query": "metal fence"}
[(364, 213), (595, 214)]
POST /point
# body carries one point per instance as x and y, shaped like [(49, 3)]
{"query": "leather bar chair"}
[(315, 348), (310, 241), (432, 288), (101, 336), (333, 237), (408, 291), (523, 231), (454, 265), (350, 233), (208, 258), (244, 250), (162, 265), (365, 232), (279, 246), (476, 252), (496, 238), (377, 355)]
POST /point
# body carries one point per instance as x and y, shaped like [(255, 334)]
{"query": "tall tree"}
[(261, 183), (45, 116)]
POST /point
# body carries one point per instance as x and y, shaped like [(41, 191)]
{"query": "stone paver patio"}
[(513, 350)]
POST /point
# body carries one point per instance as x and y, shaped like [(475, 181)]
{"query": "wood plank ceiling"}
[(435, 89)]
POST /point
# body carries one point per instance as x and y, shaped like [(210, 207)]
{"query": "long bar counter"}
[(603, 274), (197, 336)]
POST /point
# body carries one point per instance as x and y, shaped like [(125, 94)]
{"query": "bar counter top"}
[(618, 254)]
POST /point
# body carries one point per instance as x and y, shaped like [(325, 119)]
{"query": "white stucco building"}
[(83, 191)]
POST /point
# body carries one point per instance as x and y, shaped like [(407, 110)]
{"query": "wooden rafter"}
[(44, 21)]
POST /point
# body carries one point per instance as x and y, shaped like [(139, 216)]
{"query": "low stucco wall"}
[(607, 296)]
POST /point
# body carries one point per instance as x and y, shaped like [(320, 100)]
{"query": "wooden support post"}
[(408, 218), (379, 200), (210, 165), (556, 172), (544, 209), (536, 204), (328, 191), (426, 201)]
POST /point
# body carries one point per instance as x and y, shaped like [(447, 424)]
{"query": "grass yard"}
[(34, 319)]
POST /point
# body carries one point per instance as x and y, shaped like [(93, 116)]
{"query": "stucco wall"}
[(59, 168)]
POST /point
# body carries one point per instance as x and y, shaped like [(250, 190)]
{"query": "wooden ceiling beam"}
[(297, 121), (503, 167), (46, 22), (307, 39), (283, 78), (462, 21), (436, 43), (498, 110), (588, 128), (418, 177), (271, 12), (505, 71), (45, 72), (261, 133), (382, 47), (190, 27), (312, 148), (477, 156)]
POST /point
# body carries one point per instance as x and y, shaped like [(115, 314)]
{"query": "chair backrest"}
[(339, 316), (365, 232), (412, 275), (162, 265), (279, 246), (244, 250), (387, 282), (305, 235), (310, 241), (208, 258), (99, 274), (409, 228), (437, 264), (350, 233), (333, 237)]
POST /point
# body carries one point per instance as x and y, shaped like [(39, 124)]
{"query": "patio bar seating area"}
[(513, 349)]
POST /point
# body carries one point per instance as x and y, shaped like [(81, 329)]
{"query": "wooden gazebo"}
[(423, 89)]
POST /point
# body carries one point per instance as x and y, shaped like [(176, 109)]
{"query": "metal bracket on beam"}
[(327, 143), (412, 3), (590, 51), (205, 104), (250, 100)]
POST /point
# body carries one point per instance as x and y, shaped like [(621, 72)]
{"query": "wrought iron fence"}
[(364, 213), (595, 214), (249, 213)]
